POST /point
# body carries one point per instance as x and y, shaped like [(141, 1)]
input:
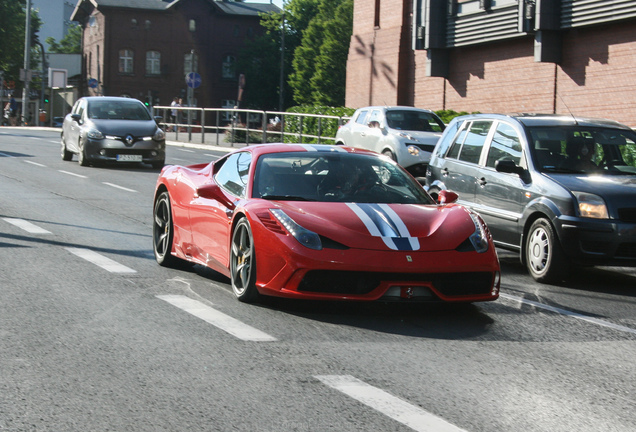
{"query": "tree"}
[(319, 64), (71, 43), (12, 22)]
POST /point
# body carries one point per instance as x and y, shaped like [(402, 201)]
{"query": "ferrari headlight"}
[(305, 237), (591, 205), (94, 134), (413, 150), (159, 135), (479, 238)]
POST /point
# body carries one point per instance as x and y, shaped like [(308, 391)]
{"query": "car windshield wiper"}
[(562, 170), (286, 198)]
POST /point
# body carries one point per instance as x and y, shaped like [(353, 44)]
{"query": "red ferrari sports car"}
[(322, 222)]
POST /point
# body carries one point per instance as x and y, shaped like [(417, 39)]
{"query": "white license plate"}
[(129, 158)]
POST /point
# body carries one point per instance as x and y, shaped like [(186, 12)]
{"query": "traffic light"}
[(46, 98)]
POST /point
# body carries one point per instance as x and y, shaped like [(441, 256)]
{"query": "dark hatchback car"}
[(560, 190), (112, 129)]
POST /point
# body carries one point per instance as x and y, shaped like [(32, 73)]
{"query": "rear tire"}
[(390, 155), (545, 259)]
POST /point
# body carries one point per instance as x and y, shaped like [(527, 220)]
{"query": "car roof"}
[(109, 98), (394, 107), (261, 149), (533, 119)]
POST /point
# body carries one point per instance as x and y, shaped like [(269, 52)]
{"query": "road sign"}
[(193, 80), (92, 83)]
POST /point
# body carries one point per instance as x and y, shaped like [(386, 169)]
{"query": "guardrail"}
[(249, 126)]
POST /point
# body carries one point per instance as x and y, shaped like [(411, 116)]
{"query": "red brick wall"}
[(596, 78)]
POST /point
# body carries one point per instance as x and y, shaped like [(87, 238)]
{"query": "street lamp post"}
[(27, 60)]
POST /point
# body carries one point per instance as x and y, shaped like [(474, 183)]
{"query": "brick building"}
[(145, 48), (548, 56)]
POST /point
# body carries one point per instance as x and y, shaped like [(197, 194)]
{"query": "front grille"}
[(344, 282), (114, 152), (626, 250), (627, 215)]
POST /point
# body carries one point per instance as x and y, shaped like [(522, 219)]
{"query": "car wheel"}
[(390, 155), (243, 263), (162, 231), (81, 154), (545, 259), (66, 155)]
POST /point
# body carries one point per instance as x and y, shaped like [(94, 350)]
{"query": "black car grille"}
[(627, 215), (360, 283), (425, 147), (626, 250)]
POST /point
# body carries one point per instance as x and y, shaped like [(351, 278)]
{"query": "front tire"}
[(243, 263), (81, 155), (66, 155), (163, 231), (545, 259)]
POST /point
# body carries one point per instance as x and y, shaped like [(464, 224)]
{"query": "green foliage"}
[(71, 43), (12, 22), (448, 115), (296, 126)]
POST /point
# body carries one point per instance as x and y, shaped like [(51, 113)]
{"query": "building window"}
[(189, 65), (125, 61), (229, 67), (236, 31), (153, 63), (192, 25), (147, 24)]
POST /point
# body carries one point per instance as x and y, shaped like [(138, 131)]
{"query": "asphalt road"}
[(95, 336)]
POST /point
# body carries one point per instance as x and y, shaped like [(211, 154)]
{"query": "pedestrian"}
[(13, 111), (174, 114)]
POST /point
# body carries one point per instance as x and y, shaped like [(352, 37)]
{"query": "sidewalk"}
[(212, 141)]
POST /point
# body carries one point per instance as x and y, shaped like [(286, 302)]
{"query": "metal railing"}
[(247, 126)]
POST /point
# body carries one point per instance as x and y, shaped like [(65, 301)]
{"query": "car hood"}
[(125, 127), (405, 227), (422, 137), (616, 190)]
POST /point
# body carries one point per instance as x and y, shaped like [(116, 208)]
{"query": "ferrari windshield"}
[(335, 177), (584, 150), (117, 110)]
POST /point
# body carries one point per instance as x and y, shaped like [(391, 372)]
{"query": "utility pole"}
[(27, 61)]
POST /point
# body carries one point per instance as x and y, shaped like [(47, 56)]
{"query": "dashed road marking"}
[(73, 174), (100, 260), (218, 319), (566, 312), (27, 226), (35, 163), (119, 187), (398, 409)]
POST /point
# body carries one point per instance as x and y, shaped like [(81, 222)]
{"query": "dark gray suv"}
[(558, 189)]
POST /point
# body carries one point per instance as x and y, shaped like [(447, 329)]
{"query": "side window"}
[(459, 140), (375, 116), (361, 117), (448, 139), (505, 145), (233, 175), (81, 107), (474, 142)]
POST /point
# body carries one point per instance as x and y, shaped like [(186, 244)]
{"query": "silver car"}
[(112, 129), (405, 134)]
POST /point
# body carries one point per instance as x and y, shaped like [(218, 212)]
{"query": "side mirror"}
[(213, 191), (158, 119), (446, 197), (76, 117)]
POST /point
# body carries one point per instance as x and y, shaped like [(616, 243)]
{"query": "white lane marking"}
[(73, 174), (119, 187), (570, 313), (410, 415), (185, 150), (27, 226), (35, 163), (100, 260), (218, 319)]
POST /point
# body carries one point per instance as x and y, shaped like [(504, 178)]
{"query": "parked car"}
[(558, 189), (322, 222), (112, 129), (58, 121), (405, 134)]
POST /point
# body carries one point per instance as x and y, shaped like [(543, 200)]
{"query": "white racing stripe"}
[(570, 313), (27, 226), (100, 260), (218, 319), (119, 187), (410, 415), (73, 174)]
